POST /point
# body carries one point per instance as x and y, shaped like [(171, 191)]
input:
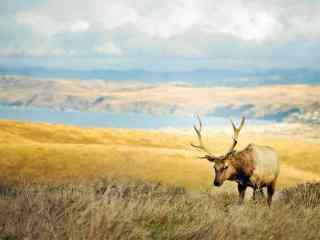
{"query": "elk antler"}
[(236, 132), (201, 146)]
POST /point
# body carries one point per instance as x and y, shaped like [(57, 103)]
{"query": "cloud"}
[(228, 33), (109, 48), (79, 26)]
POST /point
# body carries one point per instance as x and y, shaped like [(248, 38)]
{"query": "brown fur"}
[(242, 161)]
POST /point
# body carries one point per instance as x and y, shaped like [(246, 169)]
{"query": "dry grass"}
[(56, 153), (106, 209), (55, 184)]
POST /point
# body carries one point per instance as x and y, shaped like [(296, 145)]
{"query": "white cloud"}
[(79, 26), (264, 31), (163, 21), (39, 23), (109, 48)]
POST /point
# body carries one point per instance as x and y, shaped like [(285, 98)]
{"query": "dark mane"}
[(243, 160)]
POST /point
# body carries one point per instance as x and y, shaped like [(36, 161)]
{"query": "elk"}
[(254, 166)]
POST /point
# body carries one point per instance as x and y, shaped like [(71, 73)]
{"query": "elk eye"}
[(226, 166)]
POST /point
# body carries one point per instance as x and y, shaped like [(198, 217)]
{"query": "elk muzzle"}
[(217, 183), (217, 179)]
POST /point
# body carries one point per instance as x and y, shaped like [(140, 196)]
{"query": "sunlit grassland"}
[(55, 153)]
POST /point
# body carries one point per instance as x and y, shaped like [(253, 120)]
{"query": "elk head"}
[(223, 167)]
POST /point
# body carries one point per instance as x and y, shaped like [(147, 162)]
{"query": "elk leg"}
[(271, 189), (254, 194), (242, 191), (262, 193), (257, 190)]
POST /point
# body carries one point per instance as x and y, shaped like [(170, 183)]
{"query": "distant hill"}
[(202, 77), (290, 103)]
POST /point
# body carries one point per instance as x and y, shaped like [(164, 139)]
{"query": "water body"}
[(110, 119)]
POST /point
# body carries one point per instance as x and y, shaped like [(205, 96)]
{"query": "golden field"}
[(62, 182), (57, 153)]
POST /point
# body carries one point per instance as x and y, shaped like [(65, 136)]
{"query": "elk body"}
[(254, 166)]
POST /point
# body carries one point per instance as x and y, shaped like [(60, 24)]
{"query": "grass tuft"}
[(307, 195)]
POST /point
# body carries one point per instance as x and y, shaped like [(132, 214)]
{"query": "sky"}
[(161, 35)]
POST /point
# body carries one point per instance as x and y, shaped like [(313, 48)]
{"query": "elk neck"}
[(243, 161)]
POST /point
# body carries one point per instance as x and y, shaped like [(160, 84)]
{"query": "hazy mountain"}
[(201, 77)]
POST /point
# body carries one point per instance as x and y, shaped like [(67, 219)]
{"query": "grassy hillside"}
[(57, 153), (62, 182)]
